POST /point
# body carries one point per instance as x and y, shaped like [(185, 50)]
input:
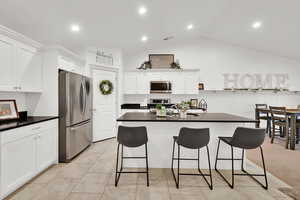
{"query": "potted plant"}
[(183, 108), (160, 110)]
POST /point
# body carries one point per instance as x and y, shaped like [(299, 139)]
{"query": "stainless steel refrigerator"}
[(75, 114)]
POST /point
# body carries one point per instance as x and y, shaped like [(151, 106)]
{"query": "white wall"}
[(214, 59), (19, 97)]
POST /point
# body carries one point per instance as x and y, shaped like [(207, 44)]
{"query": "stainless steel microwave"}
[(160, 87)]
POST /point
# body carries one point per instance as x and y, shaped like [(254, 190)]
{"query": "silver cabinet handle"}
[(37, 128)]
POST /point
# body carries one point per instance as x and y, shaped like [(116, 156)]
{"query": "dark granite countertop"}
[(201, 117), (7, 125), (135, 106)]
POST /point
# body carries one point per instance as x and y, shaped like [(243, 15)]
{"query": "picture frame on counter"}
[(8, 110), (200, 86), (194, 103)]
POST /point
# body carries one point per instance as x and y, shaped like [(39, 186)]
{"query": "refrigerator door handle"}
[(85, 93), (78, 125)]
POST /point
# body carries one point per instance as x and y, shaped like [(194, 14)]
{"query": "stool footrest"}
[(126, 157), (187, 174), (128, 172), (185, 159)]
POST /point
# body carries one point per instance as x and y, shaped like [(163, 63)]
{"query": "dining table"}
[(293, 113)]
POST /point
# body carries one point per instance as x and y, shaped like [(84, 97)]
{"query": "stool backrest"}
[(248, 138), (193, 138), (132, 136), (279, 115)]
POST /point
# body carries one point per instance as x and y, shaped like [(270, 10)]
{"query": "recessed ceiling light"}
[(257, 24), (190, 27), (144, 39), (75, 28), (142, 10)]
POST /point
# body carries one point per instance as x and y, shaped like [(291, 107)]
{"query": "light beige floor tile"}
[(145, 193), (255, 193), (28, 192), (83, 196), (223, 193), (86, 187), (102, 166), (113, 193)]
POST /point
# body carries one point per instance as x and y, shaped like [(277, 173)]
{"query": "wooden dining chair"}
[(264, 116), (280, 119)]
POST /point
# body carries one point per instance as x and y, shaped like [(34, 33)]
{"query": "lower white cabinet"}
[(25, 152)]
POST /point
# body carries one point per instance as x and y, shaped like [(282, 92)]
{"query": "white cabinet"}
[(7, 69), (29, 69), (46, 148), (191, 83), (25, 152), (143, 83), (130, 82), (183, 82), (17, 163), (20, 66), (69, 65), (177, 80)]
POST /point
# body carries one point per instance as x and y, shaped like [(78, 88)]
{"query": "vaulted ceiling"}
[(116, 23)]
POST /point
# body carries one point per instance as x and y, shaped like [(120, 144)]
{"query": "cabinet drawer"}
[(18, 133)]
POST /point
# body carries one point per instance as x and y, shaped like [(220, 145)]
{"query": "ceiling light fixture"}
[(257, 24), (144, 39), (190, 27), (75, 28), (142, 10)]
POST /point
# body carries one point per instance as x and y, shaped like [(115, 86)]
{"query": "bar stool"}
[(131, 137), (192, 139), (243, 138)]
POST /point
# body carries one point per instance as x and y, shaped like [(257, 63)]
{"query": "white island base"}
[(160, 143)]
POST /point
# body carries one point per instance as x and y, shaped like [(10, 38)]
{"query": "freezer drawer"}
[(78, 137)]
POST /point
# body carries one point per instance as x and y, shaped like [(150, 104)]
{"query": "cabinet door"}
[(7, 69), (17, 163), (130, 83), (177, 80), (143, 83), (29, 65), (46, 148), (65, 64), (191, 83)]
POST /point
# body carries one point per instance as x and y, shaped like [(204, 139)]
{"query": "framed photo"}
[(8, 110), (161, 60), (194, 103), (201, 86)]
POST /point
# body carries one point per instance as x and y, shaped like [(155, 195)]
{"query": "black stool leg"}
[(178, 166), (118, 174), (231, 185), (210, 185), (172, 167), (147, 168)]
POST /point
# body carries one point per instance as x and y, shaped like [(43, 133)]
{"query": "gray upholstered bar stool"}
[(131, 137), (192, 139), (243, 138)]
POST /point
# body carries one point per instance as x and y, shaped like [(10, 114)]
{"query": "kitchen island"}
[(162, 129)]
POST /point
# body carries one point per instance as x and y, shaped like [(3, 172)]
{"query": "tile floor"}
[(91, 177)]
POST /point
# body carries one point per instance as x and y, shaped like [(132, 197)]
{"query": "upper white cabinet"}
[(183, 82), (69, 65), (7, 58), (20, 66), (29, 69), (130, 83), (191, 81)]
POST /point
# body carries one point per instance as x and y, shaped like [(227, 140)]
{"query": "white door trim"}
[(108, 69)]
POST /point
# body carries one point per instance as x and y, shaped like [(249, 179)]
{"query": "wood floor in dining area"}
[(91, 177), (281, 162)]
